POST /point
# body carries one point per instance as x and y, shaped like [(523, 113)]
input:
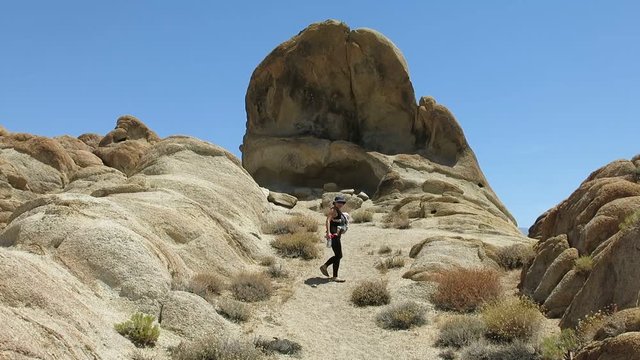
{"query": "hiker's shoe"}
[(338, 280), (323, 270)]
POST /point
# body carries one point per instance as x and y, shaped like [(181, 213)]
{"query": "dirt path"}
[(320, 316)]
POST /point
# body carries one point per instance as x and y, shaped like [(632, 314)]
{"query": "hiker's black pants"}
[(335, 259)]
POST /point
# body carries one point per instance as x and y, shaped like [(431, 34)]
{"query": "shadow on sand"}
[(315, 281)]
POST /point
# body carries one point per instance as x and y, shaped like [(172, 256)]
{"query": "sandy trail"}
[(328, 326)]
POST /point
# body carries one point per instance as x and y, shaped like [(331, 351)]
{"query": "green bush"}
[(460, 331), (557, 346), (298, 245), (483, 350), (584, 264), (401, 316), (371, 293), (362, 216), (251, 287), (214, 348), (514, 256), (465, 290), (512, 319), (140, 329), (280, 346), (234, 310)]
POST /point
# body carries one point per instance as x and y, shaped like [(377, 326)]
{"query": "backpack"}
[(344, 222)]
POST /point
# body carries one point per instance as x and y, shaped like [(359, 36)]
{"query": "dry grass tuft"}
[(482, 350), (207, 284), (291, 225), (401, 316), (396, 220), (217, 349), (512, 319), (465, 290), (234, 310), (277, 271), (392, 262), (460, 331), (371, 293), (251, 287), (584, 264), (362, 216), (298, 245), (384, 249), (267, 260), (514, 256), (140, 329), (280, 346)]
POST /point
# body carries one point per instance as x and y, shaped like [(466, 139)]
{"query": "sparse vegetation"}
[(362, 216), (512, 319), (514, 256), (267, 260), (448, 355), (384, 249), (139, 355), (371, 293), (557, 346), (234, 310), (392, 262), (277, 271), (280, 346), (584, 264), (397, 220), (213, 348), (483, 350), (291, 225), (631, 219), (298, 245), (251, 287), (207, 284), (140, 329), (460, 331), (402, 316), (590, 324), (465, 290)]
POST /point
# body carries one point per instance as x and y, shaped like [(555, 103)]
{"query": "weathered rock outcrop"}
[(599, 220), (618, 338), (336, 106), (84, 244)]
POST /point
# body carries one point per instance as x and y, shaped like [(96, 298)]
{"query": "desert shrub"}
[(213, 348), (206, 284), (384, 249), (139, 355), (362, 216), (512, 319), (589, 325), (299, 245), (630, 219), (371, 293), (557, 346), (584, 264), (465, 290), (267, 260), (251, 287), (140, 329), (392, 262), (280, 346), (397, 220), (448, 355), (277, 271), (291, 225), (460, 331), (483, 350), (234, 310), (401, 316), (514, 256)]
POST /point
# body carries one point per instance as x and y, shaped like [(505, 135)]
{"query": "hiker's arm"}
[(327, 223)]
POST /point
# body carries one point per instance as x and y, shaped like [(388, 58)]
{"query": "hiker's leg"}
[(337, 250)]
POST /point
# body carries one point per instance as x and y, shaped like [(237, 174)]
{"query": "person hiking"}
[(336, 225)]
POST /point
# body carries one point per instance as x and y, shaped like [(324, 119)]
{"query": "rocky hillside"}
[(588, 256), (96, 228), (335, 108)]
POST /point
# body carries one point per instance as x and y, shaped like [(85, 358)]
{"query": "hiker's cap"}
[(340, 200)]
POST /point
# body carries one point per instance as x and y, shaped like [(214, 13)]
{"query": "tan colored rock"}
[(627, 320), (562, 295), (353, 201), (92, 140), (554, 274), (546, 254), (124, 155), (129, 127), (622, 347), (282, 199)]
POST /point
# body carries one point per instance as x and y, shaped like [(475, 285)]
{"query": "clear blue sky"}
[(546, 91)]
